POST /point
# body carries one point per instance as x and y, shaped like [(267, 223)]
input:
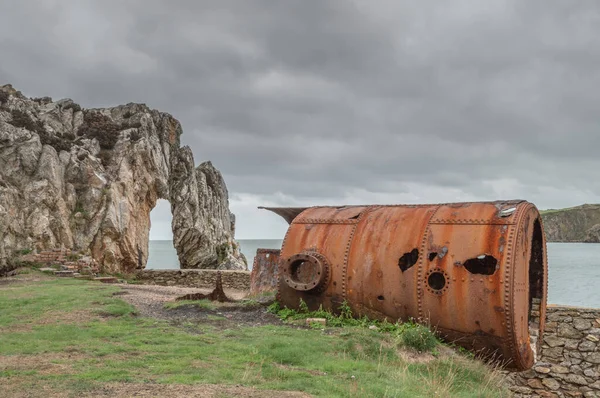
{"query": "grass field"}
[(66, 337)]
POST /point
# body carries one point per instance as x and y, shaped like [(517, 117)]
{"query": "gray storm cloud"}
[(323, 102)]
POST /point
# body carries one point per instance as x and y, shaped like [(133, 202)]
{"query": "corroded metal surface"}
[(470, 270), (264, 276)]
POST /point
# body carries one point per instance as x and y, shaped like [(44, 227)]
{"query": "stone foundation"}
[(569, 364), (205, 278)]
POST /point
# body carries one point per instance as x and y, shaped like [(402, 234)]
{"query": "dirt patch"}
[(22, 387), (14, 388), (25, 275), (412, 356), (26, 324), (179, 390), (150, 301), (47, 364)]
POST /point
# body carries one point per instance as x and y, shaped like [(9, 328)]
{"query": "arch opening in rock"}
[(161, 252)]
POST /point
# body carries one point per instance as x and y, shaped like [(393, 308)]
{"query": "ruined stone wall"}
[(569, 365), (205, 278)]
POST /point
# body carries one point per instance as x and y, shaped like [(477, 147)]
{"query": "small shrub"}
[(42, 100), (24, 252), (21, 119), (4, 97), (419, 337), (102, 128), (72, 105)]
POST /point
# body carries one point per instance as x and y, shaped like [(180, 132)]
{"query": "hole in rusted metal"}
[(380, 298), (408, 259), (303, 271), (354, 217), (432, 256), (436, 281), (482, 265)]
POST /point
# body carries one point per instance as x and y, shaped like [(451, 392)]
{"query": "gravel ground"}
[(150, 300)]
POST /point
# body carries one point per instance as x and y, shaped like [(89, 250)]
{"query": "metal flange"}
[(306, 272)]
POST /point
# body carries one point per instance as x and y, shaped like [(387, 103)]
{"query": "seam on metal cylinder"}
[(508, 291), (471, 222), (420, 270), (345, 268), (324, 221), (348, 246)]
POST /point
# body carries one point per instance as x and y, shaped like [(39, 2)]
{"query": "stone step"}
[(63, 273), (106, 279)]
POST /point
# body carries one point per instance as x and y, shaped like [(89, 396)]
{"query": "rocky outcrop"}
[(87, 179), (575, 224), (200, 195)]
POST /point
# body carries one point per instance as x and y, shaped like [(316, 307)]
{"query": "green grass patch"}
[(409, 334), (111, 344)]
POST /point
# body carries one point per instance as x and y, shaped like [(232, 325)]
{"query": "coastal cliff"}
[(575, 224), (87, 179)]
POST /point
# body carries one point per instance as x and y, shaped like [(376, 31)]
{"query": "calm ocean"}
[(574, 268)]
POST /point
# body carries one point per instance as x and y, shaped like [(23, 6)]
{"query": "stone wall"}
[(569, 365), (205, 278)]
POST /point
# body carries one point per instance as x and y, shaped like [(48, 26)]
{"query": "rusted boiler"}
[(476, 272)]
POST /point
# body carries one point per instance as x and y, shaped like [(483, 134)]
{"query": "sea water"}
[(573, 268)]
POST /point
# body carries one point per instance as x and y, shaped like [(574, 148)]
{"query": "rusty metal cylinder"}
[(475, 272)]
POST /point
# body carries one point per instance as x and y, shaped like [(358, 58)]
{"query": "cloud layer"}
[(336, 102)]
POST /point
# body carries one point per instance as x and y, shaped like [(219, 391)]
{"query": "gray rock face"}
[(576, 224), (88, 179)]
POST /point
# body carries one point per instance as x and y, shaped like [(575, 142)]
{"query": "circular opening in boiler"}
[(302, 271), (436, 281)]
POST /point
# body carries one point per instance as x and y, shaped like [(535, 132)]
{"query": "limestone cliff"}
[(575, 224), (87, 179)]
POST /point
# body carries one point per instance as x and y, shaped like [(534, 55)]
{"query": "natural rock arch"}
[(88, 179)]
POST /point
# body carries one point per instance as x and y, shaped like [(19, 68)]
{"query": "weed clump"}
[(408, 334), (419, 337)]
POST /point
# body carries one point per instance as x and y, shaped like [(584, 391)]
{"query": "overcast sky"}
[(311, 102)]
